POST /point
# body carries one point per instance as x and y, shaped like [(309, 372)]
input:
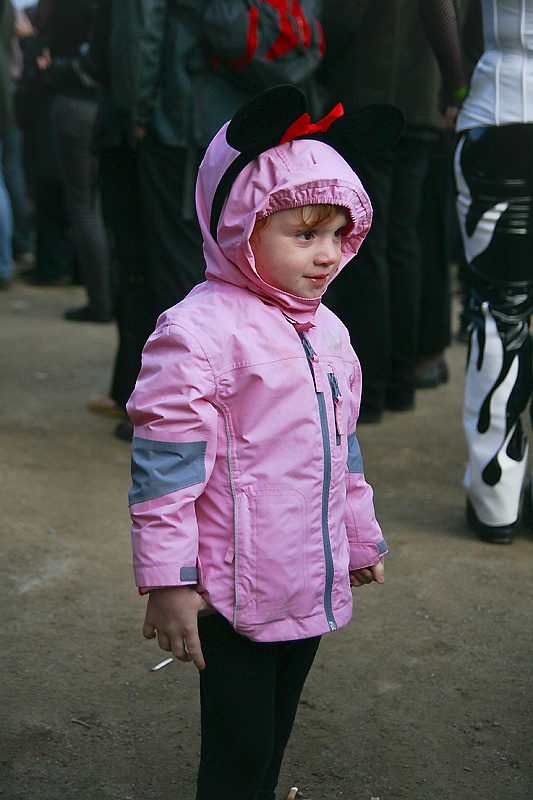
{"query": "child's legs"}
[(294, 660), (249, 696)]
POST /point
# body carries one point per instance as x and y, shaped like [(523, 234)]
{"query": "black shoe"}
[(433, 376), (495, 534), (124, 430), (527, 508), (86, 314)]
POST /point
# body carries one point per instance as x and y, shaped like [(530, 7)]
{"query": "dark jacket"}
[(179, 96), (67, 28), (377, 51)]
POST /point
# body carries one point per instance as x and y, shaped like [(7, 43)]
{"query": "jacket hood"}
[(298, 173)]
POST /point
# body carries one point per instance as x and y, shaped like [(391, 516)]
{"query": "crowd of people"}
[(105, 155), (100, 154), (213, 245)]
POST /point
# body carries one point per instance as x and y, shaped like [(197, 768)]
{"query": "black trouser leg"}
[(136, 309), (249, 696), (495, 179), (172, 238)]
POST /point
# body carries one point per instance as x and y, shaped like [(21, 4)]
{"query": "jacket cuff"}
[(148, 578), (367, 554)]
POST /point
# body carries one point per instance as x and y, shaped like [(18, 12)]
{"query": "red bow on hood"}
[(303, 124)]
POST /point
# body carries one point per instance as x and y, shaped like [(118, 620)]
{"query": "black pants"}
[(136, 309), (172, 237), (159, 252), (439, 235), (377, 295), (494, 175), (73, 120), (249, 695)]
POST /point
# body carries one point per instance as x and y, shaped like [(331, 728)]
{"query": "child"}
[(251, 514)]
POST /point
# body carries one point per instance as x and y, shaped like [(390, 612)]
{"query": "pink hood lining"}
[(298, 173)]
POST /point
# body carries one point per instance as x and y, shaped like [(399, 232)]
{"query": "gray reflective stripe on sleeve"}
[(159, 468), (355, 459), (189, 574), (382, 547)]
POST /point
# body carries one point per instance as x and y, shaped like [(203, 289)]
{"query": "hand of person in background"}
[(44, 60)]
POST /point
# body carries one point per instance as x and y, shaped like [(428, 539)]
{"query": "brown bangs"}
[(311, 215)]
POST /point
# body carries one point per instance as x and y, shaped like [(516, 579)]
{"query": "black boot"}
[(495, 534)]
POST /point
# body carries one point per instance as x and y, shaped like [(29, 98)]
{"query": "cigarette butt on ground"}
[(292, 794), (162, 664)]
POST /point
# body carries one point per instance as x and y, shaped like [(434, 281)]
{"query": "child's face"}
[(298, 257)]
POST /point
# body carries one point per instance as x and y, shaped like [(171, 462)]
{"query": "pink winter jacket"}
[(247, 476)]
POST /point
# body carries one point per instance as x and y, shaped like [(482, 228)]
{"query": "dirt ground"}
[(426, 695)]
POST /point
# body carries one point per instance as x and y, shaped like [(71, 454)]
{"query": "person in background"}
[(73, 118), (494, 177), (13, 157), (7, 124), (54, 255), (163, 101), (378, 52)]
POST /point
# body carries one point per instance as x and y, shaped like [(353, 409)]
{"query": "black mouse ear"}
[(280, 115), (261, 123), (365, 131)]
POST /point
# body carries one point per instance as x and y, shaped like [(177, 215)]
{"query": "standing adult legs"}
[(360, 295), (404, 260), (6, 231), (172, 237), (15, 180), (438, 231), (74, 121), (136, 310), (494, 181)]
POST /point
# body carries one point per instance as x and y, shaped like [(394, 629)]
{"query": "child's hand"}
[(358, 577), (172, 613)]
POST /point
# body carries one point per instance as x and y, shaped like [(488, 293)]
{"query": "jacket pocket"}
[(270, 553)]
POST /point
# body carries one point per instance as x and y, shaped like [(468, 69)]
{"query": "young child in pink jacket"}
[(251, 515)]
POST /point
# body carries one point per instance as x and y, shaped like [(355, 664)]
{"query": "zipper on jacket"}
[(335, 394), (235, 517), (311, 355)]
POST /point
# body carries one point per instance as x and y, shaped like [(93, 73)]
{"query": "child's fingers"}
[(378, 571), (193, 650), (148, 631), (163, 641), (362, 576)]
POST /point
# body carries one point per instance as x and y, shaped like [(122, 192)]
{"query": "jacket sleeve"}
[(173, 452), (151, 36), (366, 540)]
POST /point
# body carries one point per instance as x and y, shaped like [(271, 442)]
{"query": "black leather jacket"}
[(162, 71)]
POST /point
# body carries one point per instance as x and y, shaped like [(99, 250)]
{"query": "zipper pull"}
[(310, 353), (336, 395)]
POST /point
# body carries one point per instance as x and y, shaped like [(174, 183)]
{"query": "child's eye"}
[(338, 232), (307, 235)]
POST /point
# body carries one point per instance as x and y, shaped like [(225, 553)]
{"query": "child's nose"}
[(327, 253)]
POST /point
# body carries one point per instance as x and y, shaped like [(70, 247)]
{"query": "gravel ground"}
[(426, 695)]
